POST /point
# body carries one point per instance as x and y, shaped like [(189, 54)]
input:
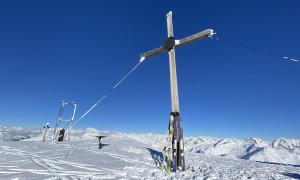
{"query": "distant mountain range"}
[(281, 150)]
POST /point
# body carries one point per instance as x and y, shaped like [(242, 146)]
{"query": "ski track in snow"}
[(54, 166), (129, 156)]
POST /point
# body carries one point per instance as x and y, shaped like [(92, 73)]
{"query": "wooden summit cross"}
[(174, 151)]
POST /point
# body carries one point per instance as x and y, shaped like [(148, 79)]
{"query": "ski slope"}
[(23, 155)]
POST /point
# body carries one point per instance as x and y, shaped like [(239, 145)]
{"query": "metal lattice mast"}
[(174, 152), (60, 118), (71, 120)]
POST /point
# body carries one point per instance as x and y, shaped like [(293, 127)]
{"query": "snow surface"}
[(23, 155)]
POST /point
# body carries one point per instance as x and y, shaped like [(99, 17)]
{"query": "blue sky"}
[(77, 50)]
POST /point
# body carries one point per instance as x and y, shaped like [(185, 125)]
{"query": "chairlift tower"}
[(60, 118), (175, 145)]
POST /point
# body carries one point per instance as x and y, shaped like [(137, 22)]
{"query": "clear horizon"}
[(77, 51)]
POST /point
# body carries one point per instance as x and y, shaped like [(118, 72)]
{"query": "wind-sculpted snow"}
[(137, 156)]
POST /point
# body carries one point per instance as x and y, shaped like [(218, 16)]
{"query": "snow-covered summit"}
[(282, 151), (137, 156), (18, 133), (288, 144), (256, 141)]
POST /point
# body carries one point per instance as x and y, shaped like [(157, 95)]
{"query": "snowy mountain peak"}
[(288, 144), (256, 141), (226, 142)]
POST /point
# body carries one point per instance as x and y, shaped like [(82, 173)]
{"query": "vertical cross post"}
[(175, 120), (172, 63), (174, 151)]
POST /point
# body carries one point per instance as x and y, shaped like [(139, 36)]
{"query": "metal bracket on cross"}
[(174, 151)]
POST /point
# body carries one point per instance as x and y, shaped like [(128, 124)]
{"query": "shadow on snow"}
[(278, 164), (103, 145), (156, 156), (292, 175)]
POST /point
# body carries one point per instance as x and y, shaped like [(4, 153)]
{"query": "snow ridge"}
[(283, 151), (288, 144)]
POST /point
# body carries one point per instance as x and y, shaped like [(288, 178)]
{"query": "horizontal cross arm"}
[(153, 52), (178, 43), (194, 37)]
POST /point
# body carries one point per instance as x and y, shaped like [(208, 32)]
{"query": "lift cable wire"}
[(256, 49), (107, 93)]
